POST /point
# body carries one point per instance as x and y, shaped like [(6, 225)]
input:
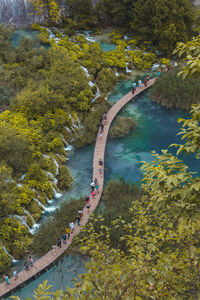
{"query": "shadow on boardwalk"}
[(99, 152)]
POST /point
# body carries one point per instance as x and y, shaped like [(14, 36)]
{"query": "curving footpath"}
[(50, 257)]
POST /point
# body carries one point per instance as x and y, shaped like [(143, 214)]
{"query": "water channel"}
[(157, 128)]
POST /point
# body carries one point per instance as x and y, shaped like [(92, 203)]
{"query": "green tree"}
[(163, 22), (48, 9)]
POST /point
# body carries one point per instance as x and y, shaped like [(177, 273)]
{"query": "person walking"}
[(100, 170), (6, 278), (15, 274), (100, 134), (102, 127), (54, 249), (96, 185), (100, 162), (64, 238), (140, 83), (31, 261), (59, 244), (68, 233), (93, 194), (105, 119), (147, 78), (78, 220), (80, 213), (92, 185), (26, 266), (71, 226), (145, 83)]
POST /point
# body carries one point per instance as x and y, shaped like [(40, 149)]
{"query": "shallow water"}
[(105, 47), (19, 34), (157, 128)]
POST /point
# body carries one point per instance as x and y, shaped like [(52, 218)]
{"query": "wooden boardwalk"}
[(49, 258)]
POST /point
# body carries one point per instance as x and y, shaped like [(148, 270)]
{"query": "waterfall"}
[(86, 71), (73, 122), (56, 194), (98, 94), (5, 250), (45, 156), (91, 84), (35, 225), (57, 166), (116, 73), (127, 69), (22, 177), (28, 214), (39, 203), (22, 221)]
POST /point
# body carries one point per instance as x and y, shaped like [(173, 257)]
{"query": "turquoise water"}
[(19, 34), (107, 47), (157, 128)]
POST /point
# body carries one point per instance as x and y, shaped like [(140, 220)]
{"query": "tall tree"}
[(163, 22)]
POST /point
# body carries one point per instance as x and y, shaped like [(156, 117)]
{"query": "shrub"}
[(122, 127), (173, 91)]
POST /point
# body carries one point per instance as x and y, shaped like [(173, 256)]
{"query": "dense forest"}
[(49, 98)]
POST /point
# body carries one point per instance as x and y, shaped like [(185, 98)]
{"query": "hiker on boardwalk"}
[(102, 127), (100, 134), (68, 232), (92, 185), (88, 204), (15, 274), (71, 226), (105, 118), (93, 194), (147, 78), (64, 238), (96, 185), (80, 213), (101, 162), (26, 266), (6, 278), (78, 220), (87, 198), (31, 261), (140, 83), (100, 170), (145, 83), (59, 244)]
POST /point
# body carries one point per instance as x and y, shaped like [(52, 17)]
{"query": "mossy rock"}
[(122, 126)]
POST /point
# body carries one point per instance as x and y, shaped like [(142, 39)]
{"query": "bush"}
[(53, 229), (172, 91), (64, 178), (106, 80), (4, 97), (122, 127)]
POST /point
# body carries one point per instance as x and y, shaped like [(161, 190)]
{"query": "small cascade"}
[(35, 225), (127, 69), (91, 84), (86, 71), (19, 185), (22, 177), (45, 156), (28, 214), (39, 203), (6, 251), (57, 166), (68, 147), (73, 122), (56, 194), (116, 73), (98, 94), (22, 221)]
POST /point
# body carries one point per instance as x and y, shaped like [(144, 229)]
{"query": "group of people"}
[(94, 185), (139, 83), (15, 273)]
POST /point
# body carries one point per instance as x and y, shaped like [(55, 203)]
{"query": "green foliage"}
[(4, 97), (173, 91), (190, 51), (163, 22), (53, 229), (121, 127), (106, 80), (64, 178)]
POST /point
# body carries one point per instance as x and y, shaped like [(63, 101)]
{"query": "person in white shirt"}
[(71, 226)]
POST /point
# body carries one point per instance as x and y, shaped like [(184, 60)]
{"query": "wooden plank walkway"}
[(49, 258)]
